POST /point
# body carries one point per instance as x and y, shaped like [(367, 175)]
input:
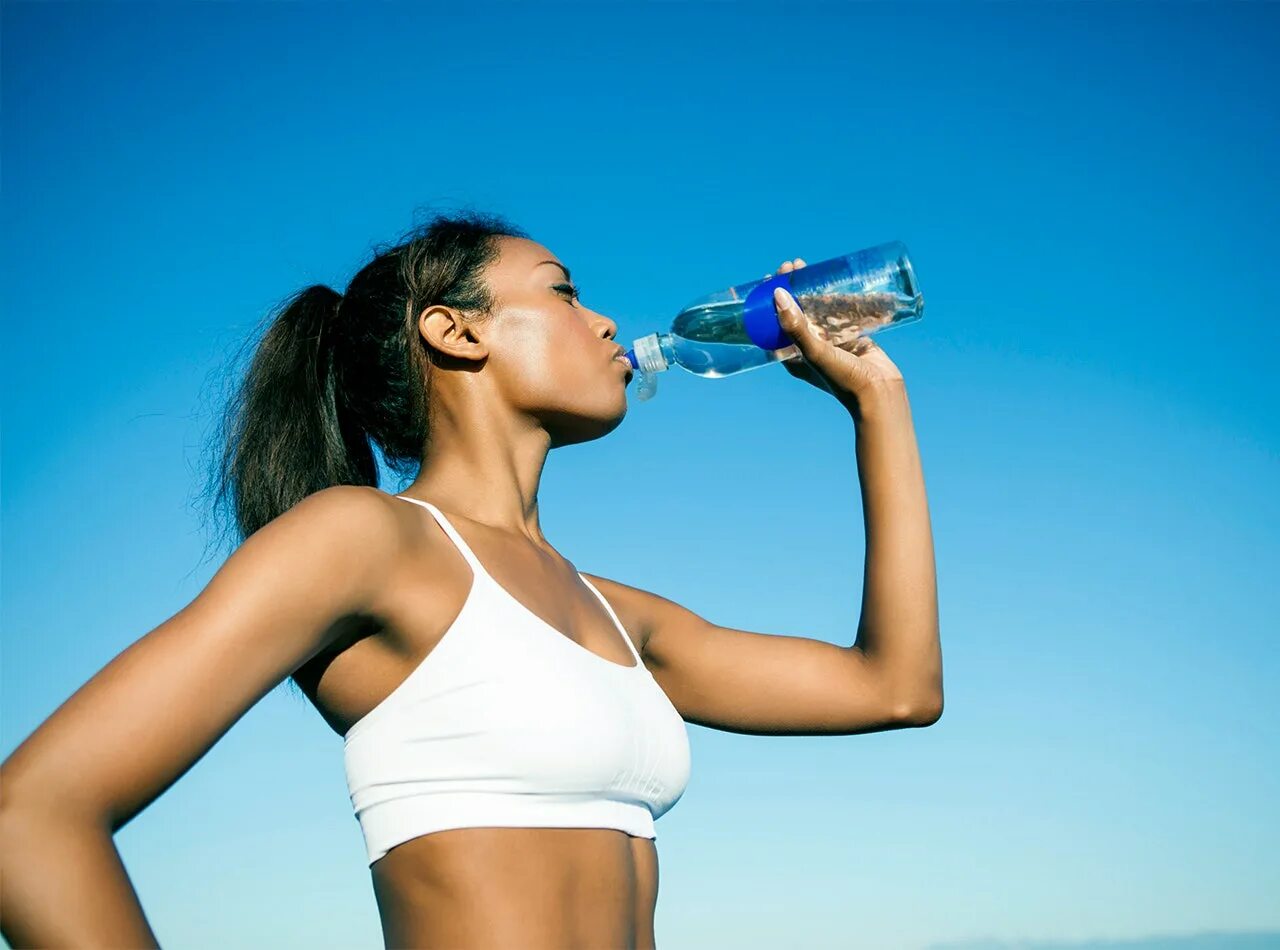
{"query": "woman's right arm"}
[(150, 714)]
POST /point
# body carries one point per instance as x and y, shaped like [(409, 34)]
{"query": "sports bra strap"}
[(614, 617), (476, 567)]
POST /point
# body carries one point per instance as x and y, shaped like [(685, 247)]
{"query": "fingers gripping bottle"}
[(735, 330)]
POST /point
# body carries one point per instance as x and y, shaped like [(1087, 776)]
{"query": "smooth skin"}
[(351, 589)]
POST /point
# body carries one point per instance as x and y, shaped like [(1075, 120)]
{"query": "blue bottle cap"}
[(631, 358)]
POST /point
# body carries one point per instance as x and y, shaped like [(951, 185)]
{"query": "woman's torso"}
[(484, 886)]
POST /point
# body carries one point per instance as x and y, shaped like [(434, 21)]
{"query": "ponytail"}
[(291, 434)]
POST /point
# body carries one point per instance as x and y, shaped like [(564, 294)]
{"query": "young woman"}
[(511, 727)]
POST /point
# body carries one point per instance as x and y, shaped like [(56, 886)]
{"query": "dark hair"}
[(334, 374)]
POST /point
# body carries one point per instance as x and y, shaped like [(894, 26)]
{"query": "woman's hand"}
[(849, 376)]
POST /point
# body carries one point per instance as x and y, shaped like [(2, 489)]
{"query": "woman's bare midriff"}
[(486, 887), (527, 888)]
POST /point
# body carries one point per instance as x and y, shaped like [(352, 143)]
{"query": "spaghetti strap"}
[(452, 532), (616, 622)]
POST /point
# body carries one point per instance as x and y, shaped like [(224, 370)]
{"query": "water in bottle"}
[(735, 330)]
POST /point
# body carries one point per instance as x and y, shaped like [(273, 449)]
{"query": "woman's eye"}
[(567, 288)]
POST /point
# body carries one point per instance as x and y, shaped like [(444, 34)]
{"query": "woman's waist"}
[(558, 887)]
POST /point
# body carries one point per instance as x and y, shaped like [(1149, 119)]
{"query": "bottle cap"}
[(649, 358)]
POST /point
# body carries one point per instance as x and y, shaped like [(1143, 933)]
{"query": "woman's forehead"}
[(526, 260)]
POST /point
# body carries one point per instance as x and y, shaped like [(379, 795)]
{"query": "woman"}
[(505, 776)]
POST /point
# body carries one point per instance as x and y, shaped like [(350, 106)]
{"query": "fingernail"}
[(781, 297)]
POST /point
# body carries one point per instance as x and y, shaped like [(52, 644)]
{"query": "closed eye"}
[(571, 290)]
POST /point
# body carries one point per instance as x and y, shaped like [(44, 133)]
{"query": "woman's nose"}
[(610, 328)]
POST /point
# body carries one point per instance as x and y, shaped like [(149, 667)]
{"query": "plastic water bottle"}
[(735, 330)]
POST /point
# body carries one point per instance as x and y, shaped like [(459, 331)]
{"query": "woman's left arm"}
[(784, 684)]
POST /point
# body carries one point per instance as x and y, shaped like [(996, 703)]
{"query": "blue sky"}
[(1085, 191)]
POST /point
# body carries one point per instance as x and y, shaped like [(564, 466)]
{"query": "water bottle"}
[(735, 330)]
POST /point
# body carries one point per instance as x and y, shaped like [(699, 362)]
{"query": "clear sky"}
[(1085, 191)]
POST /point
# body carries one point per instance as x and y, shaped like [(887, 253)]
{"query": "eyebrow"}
[(556, 264)]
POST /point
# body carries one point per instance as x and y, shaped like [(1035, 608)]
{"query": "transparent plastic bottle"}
[(735, 330)]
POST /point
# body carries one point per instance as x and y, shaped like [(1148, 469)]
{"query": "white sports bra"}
[(509, 723)]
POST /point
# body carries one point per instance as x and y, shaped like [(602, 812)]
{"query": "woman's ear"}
[(446, 330)]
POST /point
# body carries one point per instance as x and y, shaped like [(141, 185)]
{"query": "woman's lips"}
[(622, 360)]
